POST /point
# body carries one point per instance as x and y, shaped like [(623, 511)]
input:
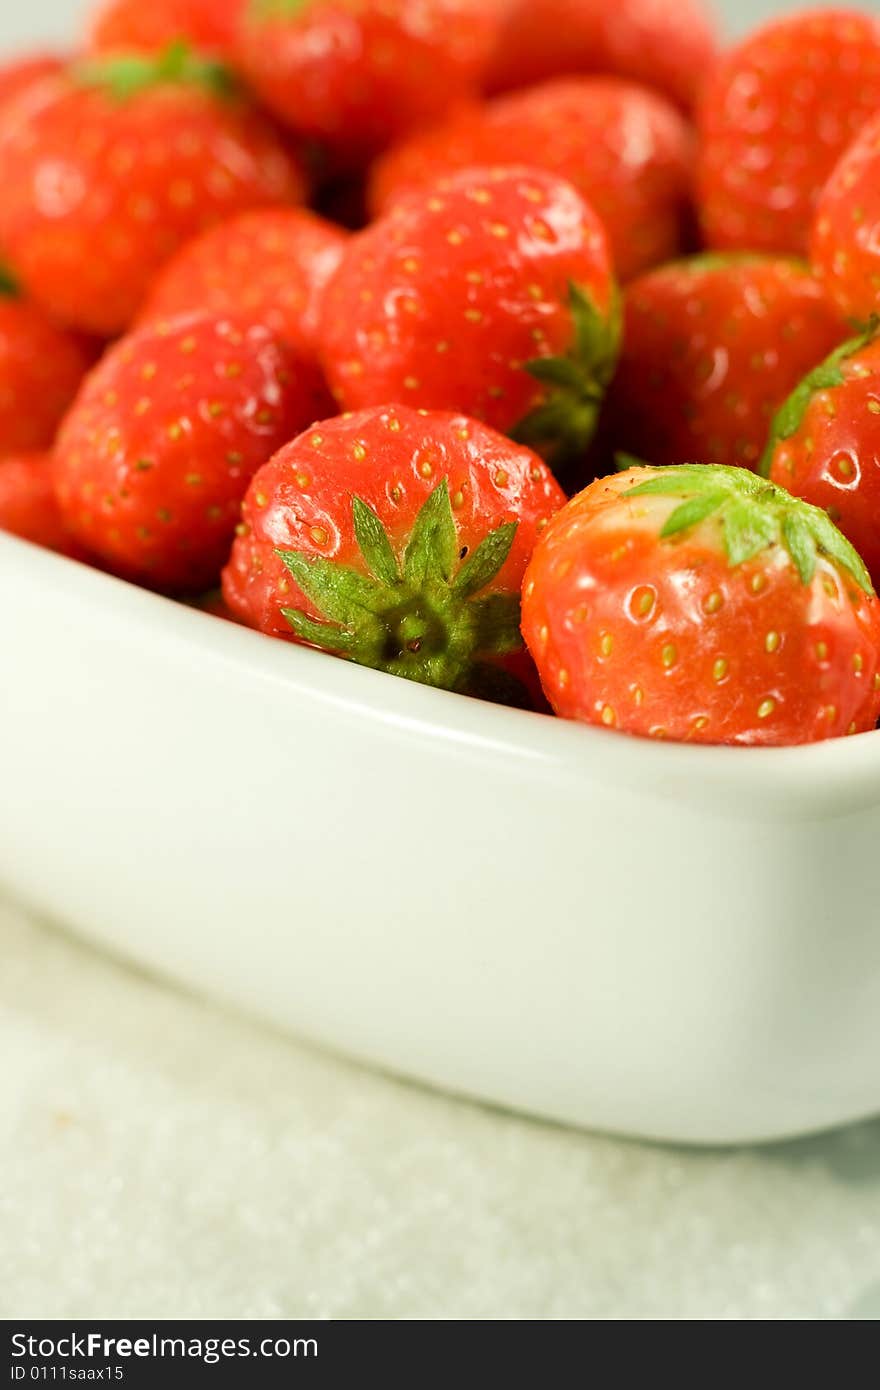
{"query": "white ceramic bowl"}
[(674, 942)]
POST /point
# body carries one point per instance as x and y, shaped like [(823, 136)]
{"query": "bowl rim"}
[(846, 770)]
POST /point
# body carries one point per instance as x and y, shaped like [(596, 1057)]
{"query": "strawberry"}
[(27, 503), (825, 443), (41, 367), (210, 25), (354, 75), (775, 118), (271, 265), (625, 149), (666, 44), (108, 169), (397, 539), (705, 605), (20, 73), (845, 244), (711, 347), (155, 454), (489, 293)]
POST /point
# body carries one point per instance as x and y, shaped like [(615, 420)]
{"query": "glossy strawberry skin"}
[(666, 44), (210, 25), (845, 246), (392, 458), (667, 639), (625, 149), (712, 346), (833, 457), (155, 455), (41, 367), (100, 191), (353, 75), (28, 507), (271, 265), (441, 303), (775, 117)]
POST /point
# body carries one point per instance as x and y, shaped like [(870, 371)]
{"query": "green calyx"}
[(126, 75), (755, 515), (828, 375), (8, 285), (276, 9), (562, 427), (422, 614)]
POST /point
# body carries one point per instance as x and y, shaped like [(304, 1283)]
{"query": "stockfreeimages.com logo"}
[(94, 1346)]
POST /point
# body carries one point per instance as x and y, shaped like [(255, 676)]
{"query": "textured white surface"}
[(160, 1158)]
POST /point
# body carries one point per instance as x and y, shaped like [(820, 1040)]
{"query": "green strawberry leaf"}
[(692, 512), (271, 9), (423, 615), (834, 545), (8, 285), (343, 595), (562, 426), (433, 544), (748, 530), (480, 568), (828, 375), (754, 516), (374, 545), (801, 545), (328, 636), (496, 620), (126, 75)]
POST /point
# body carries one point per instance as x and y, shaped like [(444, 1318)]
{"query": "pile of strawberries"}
[(336, 303)]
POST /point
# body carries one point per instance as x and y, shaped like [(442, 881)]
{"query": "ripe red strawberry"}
[(703, 604), (356, 74), (20, 73), (271, 265), (625, 149), (489, 293), (397, 539), (825, 443), (27, 503), (775, 117), (110, 168), (711, 348), (157, 451), (667, 44), (845, 246), (41, 367), (210, 25)]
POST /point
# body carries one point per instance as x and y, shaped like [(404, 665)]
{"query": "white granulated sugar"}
[(161, 1158)]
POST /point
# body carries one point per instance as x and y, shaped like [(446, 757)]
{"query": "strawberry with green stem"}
[(825, 443), (396, 539), (712, 345), (703, 604), (491, 293), (111, 166)]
